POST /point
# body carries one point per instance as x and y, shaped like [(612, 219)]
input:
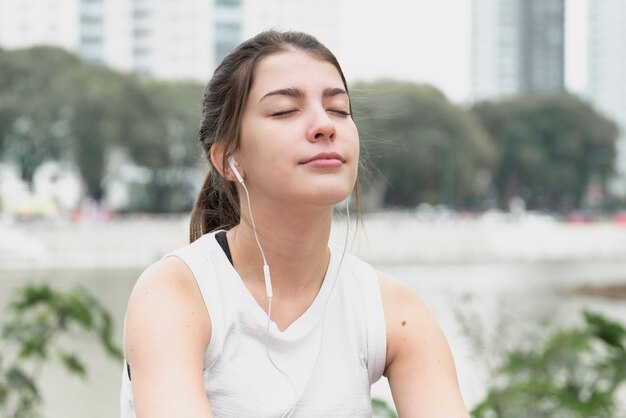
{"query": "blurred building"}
[(229, 23), (517, 47), (91, 19), (172, 40), (24, 23), (159, 38), (606, 86), (176, 40)]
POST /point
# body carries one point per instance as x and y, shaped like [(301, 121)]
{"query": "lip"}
[(329, 157)]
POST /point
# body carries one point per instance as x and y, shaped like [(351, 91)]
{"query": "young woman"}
[(260, 316)]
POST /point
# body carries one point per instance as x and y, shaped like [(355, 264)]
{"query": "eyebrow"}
[(299, 94)]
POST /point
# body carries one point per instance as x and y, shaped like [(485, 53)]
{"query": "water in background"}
[(500, 301)]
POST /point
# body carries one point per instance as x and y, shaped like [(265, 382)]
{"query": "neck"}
[(295, 243)]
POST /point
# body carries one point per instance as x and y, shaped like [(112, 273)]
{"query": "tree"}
[(166, 142), (428, 149), (99, 99), (32, 121), (550, 147), (55, 107)]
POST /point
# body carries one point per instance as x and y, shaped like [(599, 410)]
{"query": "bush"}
[(38, 319), (576, 372)]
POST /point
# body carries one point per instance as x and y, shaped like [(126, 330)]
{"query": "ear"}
[(217, 159)]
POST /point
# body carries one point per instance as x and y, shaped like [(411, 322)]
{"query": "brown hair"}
[(217, 204)]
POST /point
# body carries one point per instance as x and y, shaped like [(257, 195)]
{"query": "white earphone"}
[(233, 166)]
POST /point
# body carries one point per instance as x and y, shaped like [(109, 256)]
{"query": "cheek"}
[(256, 142), (270, 155), (354, 142)]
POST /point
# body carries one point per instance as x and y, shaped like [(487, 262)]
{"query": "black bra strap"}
[(220, 237)]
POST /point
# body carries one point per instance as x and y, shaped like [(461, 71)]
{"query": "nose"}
[(322, 127)]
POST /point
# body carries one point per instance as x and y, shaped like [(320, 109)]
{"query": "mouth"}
[(322, 157)]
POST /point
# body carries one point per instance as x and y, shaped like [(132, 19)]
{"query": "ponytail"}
[(215, 207)]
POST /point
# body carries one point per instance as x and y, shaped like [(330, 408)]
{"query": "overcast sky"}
[(429, 41)]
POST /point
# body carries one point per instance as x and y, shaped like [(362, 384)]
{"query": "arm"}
[(166, 330), (419, 365)]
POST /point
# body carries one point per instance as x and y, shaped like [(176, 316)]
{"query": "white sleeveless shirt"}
[(331, 354)]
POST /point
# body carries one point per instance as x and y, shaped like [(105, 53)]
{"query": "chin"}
[(327, 196)]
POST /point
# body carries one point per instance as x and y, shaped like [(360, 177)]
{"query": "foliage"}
[(55, 107), (32, 121), (35, 332), (549, 148), (428, 149), (380, 409), (576, 372), (174, 152)]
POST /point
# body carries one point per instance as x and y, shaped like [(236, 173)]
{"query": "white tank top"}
[(333, 353)]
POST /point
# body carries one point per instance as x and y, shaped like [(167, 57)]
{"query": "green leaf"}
[(19, 381), (75, 306), (609, 331), (380, 409), (4, 392), (73, 364), (31, 295)]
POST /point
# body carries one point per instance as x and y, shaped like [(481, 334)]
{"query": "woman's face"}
[(299, 143)]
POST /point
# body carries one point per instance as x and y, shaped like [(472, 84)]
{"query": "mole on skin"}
[(403, 323)]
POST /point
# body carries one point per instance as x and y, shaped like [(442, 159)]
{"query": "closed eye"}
[(283, 113), (340, 112)]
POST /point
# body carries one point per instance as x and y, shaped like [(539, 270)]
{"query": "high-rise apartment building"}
[(165, 39), (517, 47), (228, 27), (91, 30), (171, 39), (606, 56), (24, 23), (160, 38), (97, 30)]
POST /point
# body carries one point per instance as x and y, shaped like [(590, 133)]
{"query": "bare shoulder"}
[(419, 363), (402, 306), (168, 274), (166, 332), (164, 303)]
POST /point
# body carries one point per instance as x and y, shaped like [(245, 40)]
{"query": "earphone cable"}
[(291, 409), (268, 285)]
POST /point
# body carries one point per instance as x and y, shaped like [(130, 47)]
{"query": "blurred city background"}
[(493, 182)]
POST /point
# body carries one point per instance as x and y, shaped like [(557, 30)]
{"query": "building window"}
[(229, 3), (141, 52), (86, 39), (139, 14), (91, 20), (228, 36), (141, 32)]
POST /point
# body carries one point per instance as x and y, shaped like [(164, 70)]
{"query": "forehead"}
[(294, 69)]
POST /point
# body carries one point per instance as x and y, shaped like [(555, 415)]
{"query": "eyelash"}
[(287, 112), (283, 113)]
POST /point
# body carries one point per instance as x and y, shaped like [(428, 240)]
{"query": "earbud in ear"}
[(233, 166)]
